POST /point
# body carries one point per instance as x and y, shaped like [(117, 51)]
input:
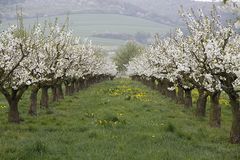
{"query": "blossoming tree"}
[(45, 57), (207, 58)]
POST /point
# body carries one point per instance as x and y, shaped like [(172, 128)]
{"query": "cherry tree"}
[(50, 62), (16, 45), (206, 58), (220, 59), (46, 57)]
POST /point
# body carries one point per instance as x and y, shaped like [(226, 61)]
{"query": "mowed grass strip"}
[(115, 120)]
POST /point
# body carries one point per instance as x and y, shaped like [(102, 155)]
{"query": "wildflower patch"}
[(130, 93)]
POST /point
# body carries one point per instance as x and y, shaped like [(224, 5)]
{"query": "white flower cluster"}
[(47, 54), (207, 57)]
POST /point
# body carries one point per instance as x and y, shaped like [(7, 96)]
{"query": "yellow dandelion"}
[(3, 106)]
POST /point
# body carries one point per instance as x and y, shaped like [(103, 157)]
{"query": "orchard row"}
[(206, 58), (43, 57)]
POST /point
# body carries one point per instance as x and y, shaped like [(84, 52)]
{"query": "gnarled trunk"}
[(188, 98), (13, 114), (215, 110), (201, 103), (33, 101), (13, 100), (44, 97), (13, 97)]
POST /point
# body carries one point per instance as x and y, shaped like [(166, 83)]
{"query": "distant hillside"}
[(169, 8), (162, 11)]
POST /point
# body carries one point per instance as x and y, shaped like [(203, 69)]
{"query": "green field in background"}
[(85, 25)]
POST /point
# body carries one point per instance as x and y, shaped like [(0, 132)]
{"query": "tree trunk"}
[(13, 96), (72, 88), (59, 91), (112, 78), (164, 88), (171, 92), (188, 98), (54, 93), (76, 87), (13, 114), (145, 81), (160, 86), (215, 113), (33, 101), (67, 89), (148, 82), (152, 83), (80, 84), (201, 103), (235, 130), (44, 97), (180, 95), (85, 83)]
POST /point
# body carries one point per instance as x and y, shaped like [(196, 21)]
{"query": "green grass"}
[(85, 25), (115, 120)]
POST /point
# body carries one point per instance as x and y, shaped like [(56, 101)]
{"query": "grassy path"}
[(119, 119)]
